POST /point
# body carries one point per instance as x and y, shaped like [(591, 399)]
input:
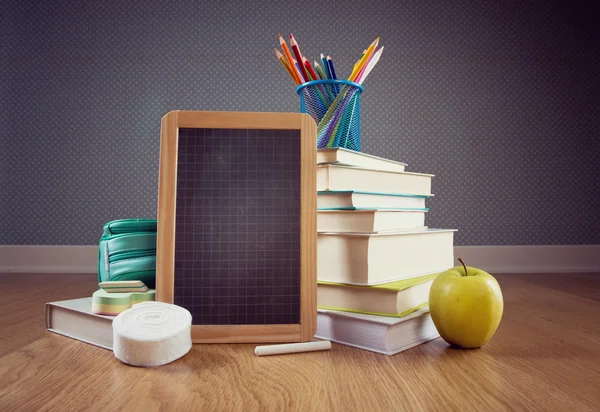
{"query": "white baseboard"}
[(492, 259), (48, 259), (531, 259)]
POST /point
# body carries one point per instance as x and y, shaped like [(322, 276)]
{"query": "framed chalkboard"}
[(236, 239)]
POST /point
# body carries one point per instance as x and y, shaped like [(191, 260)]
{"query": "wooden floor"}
[(545, 356)]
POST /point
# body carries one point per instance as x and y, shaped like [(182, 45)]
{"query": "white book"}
[(74, 319), (352, 158), (353, 199), (336, 177), (371, 259), (371, 221), (381, 334)]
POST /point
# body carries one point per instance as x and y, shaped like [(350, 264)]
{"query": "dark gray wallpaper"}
[(499, 99)]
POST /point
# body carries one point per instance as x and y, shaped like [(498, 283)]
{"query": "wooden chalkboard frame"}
[(167, 198)]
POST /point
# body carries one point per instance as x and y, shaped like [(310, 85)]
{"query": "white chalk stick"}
[(292, 348)]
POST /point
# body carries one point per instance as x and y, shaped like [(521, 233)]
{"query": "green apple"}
[(466, 306)]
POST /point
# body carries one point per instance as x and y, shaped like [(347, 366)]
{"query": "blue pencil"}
[(332, 74), (325, 66), (331, 68)]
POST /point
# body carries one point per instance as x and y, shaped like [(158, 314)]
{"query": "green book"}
[(397, 299)]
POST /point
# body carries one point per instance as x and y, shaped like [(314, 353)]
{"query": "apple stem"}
[(465, 266)]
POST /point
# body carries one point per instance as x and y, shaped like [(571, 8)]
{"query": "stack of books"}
[(376, 257)]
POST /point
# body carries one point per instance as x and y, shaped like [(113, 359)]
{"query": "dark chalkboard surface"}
[(236, 230)]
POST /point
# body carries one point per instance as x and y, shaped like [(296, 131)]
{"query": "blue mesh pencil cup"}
[(335, 107)]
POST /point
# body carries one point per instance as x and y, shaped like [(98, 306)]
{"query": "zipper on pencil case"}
[(132, 254)]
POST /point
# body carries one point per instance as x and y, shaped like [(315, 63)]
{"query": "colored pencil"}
[(371, 64), (313, 76), (298, 55), (290, 60), (309, 68), (320, 72), (361, 56), (323, 76), (297, 66), (362, 71), (363, 60), (285, 66), (331, 68), (325, 66), (334, 107)]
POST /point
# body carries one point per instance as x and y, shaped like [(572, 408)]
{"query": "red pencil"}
[(310, 69), (296, 51)]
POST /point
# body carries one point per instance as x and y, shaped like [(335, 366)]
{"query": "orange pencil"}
[(290, 60), (286, 67), (298, 55)]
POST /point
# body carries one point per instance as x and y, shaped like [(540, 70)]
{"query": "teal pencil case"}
[(127, 251)]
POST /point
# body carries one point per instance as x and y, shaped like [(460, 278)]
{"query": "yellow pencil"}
[(363, 60), (285, 66), (359, 59)]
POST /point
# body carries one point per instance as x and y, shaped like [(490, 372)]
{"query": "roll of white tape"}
[(152, 334)]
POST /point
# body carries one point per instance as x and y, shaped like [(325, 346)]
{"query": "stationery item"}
[(152, 334), (320, 72), (397, 299), (290, 60), (327, 129), (296, 51), (123, 286), (309, 68), (331, 132), (338, 177), (343, 156), (298, 69), (335, 106), (365, 57), (345, 121), (74, 318), (370, 66), (371, 259), (310, 76), (369, 221), (292, 348), (331, 68), (322, 94), (362, 200), (323, 76), (381, 334), (325, 66), (127, 251), (281, 59), (362, 70), (111, 304), (361, 56), (242, 260)]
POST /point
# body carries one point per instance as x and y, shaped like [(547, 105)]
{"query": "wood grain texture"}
[(308, 229), (246, 333), (544, 357), (167, 191)]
